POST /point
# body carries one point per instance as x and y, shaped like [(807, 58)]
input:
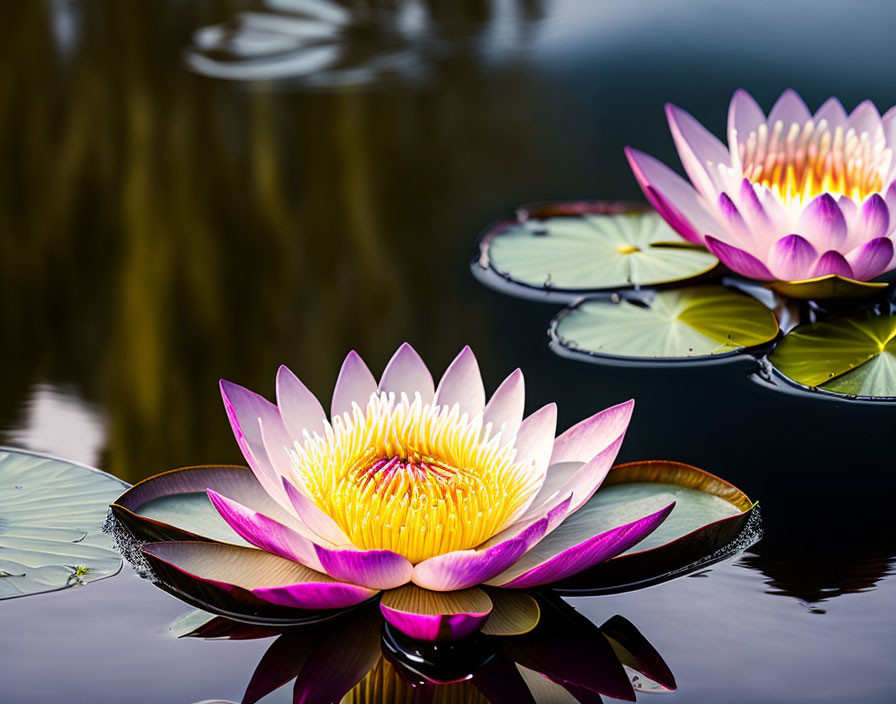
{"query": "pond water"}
[(162, 229)]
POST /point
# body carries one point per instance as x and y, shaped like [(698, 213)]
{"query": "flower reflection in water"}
[(329, 43), (558, 655)]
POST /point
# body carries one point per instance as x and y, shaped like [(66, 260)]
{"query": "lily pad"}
[(51, 517), (696, 322), (854, 355), (589, 247), (711, 520)]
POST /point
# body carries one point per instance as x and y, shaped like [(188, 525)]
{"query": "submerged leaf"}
[(691, 322), (855, 355), (580, 249), (51, 517)]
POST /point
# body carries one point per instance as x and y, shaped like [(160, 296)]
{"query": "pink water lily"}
[(794, 196), (408, 487)]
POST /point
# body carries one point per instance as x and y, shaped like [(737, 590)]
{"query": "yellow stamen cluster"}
[(418, 479), (801, 162)]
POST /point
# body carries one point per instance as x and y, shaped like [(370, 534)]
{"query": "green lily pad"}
[(51, 518), (591, 247), (692, 322), (853, 355)]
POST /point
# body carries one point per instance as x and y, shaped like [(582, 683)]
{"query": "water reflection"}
[(358, 659), (58, 421), (812, 580), (330, 43)]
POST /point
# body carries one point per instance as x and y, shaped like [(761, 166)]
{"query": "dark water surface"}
[(160, 229)]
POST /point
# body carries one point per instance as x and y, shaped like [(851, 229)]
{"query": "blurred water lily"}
[(795, 198)]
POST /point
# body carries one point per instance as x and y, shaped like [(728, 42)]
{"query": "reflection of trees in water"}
[(161, 230), (333, 42)]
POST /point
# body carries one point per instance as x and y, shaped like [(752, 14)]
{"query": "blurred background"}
[(194, 190)]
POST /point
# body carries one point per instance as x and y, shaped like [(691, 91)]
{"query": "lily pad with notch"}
[(853, 355), (712, 520), (694, 323), (587, 247), (52, 513)]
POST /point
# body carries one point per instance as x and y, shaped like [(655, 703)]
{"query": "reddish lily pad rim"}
[(637, 569), (485, 271)]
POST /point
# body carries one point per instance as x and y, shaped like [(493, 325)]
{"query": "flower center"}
[(801, 162), (417, 479)]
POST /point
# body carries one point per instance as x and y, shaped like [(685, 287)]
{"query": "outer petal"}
[(272, 579), (823, 224), (581, 542), (504, 409), (376, 569), (832, 262), (673, 197), (888, 122), (734, 220), (875, 217), (461, 569), (585, 439), (462, 384), (739, 260), (744, 117), (246, 411), (299, 408), (871, 259), (407, 374), (533, 443), (833, 113), (792, 258), (700, 151), (866, 118), (432, 616), (578, 480), (355, 384), (789, 108), (759, 222)]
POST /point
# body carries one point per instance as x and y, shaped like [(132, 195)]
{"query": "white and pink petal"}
[(237, 570), (585, 539), (375, 569)]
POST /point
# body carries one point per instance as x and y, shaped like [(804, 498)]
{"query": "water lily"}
[(406, 483), (794, 197)]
